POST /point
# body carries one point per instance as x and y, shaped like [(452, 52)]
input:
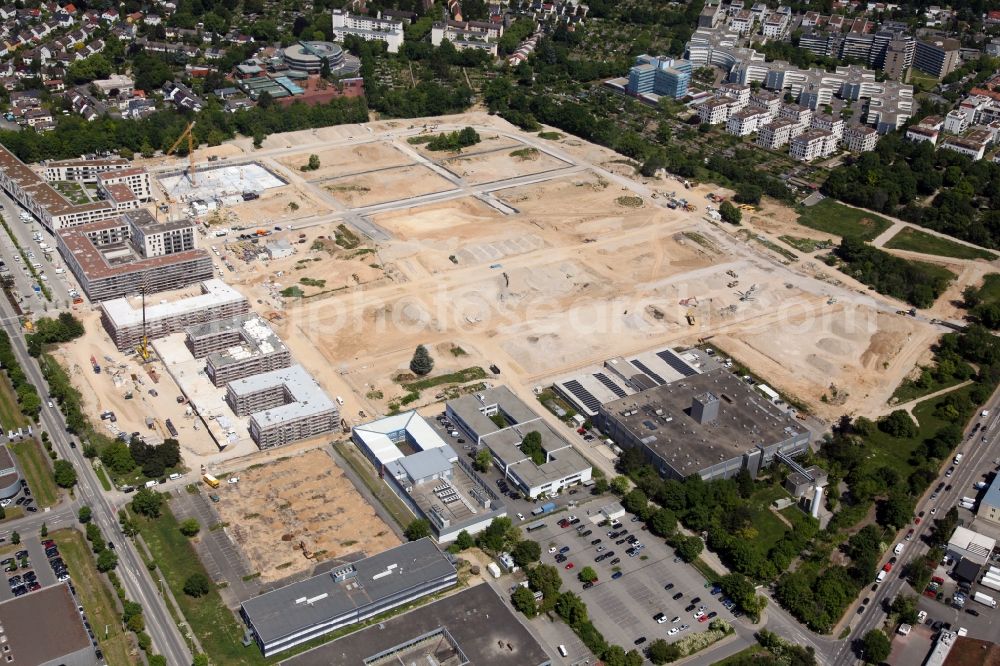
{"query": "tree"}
[(190, 527), (660, 652), (483, 460), (740, 589), (531, 446), (417, 529), (663, 522), (875, 647), (571, 609), (730, 213), (690, 548), (44, 531), (897, 510), (635, 501), (499, 536), (905, 607), (84, 514), (313, 162), (147, 503), (587, 575), (197, 585), (200, 660), (545, 578), (748, 194), (525, 552), (15, 538), (464, 540), (64, 474), (421, 363), (523, 600), (898, 424), (107, 561), (157, 660), (118, 458), (620, 485)]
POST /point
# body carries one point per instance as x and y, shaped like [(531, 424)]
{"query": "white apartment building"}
[(468, 35), (775, 25), (747, 121), (742, 23), (162, 239), (368, 28), (83, 171), (715, 111), (812, 144), (739, 92), (971, 146), (956, 122), (764, 99), (919, 133), (834, 126), (801, 115), (776, 133), (860, 138), (136, 179)]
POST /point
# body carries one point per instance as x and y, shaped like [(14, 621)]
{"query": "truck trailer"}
[(992, 583), (548, 507), (984, 599)]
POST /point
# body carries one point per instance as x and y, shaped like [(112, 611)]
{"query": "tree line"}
[(915, 282)]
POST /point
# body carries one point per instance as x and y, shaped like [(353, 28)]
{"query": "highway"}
[(132, 571), (979, 456)]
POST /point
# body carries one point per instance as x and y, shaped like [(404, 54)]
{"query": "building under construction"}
[(237, 347), (712, 424)]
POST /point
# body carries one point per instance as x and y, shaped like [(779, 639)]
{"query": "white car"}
[(50, 404), (234, 479), (520, 516), (661, 619), (552, 549), (673, 631), (699, 614), (6, 502)]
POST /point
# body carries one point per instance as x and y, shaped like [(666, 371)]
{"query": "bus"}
[(210, 480), (534, 526)]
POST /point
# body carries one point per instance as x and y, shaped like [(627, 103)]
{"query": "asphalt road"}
[(978, 457), (140, 587)]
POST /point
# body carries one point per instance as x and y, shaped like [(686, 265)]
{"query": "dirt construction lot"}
[(289, 514), (335, 162), (499, 164), (386, 185)]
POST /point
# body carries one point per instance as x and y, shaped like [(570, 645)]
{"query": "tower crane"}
[(186, 134)]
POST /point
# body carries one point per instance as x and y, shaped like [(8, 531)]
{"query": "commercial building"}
[(124, 255), (428, 475), (45, 628), (10, 479), (812, 144), (660, 76), (989, 505), (346, 595), (563, 465), (311, 56), (368, 28), (938, 57), (284, 406), (972, 546), (711, 424), (123, 319), (42, 200), (237, 347), (474, 626), (481, 35)]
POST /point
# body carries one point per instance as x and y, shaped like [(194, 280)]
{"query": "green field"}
[(915, 240), (990, 291), (97, 598), (769, 528), (10, 412), (214, 624), (835, 218), (466, 375), (34, 465)]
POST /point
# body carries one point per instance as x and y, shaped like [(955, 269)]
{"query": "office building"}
[(125, 255), (122, 318), (346, 595), (711, 424), (434, 482), (284, 406), (661, 76), (937, 57), (812, 144), (310, 56), (368, 28), (562, 467), (237, 347), (472, 627), (45, 628)]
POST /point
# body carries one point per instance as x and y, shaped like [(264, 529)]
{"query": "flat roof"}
[(486, 631), (660, 417), (43, 626), (257, 339), (108, 162), (6, 459), (992, 494), (306, 397), (38, 189), (214, 292), (310, 602), (973, 542)]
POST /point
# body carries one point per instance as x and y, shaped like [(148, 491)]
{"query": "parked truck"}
[(992, 583), (548, 507), (95, 365), (984, 599), (993, 570), (171, 429)]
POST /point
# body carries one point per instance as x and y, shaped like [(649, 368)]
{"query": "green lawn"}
[(215, 625), (990, 291), (915, 240), (909, 390), (769, 528), (466, 375), (34, 465), (10, 412), (835, 218), (96, 596)]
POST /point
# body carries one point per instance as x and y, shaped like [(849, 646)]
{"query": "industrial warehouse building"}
[(346, 595), (123, 318), (563, 466), (284, 406), (431, 479), (972, 546), (989, 505), (45, 628), (10, 479), (237, 347), (711, 424), (123, 255)]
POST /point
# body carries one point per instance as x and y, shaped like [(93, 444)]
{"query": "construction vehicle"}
[(171, 429), (734, 283), (732, 274), (186, 134), (690, 318), (95, 365)]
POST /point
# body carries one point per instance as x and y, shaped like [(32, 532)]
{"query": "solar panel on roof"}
[(652, 375), (583, 395), (614, 388), (677, 363)]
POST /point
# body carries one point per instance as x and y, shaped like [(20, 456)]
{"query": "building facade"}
[(812, 144), (938, 57), (368, 28), (659, 75), (860, 138)]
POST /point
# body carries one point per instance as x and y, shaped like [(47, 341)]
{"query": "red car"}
[(916, 522), (887, 567), (564, 523), (569, 565), (703, 618), (938, 580)]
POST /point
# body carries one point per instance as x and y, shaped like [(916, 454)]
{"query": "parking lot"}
[(624, 608), (32, 568), (59, 284)]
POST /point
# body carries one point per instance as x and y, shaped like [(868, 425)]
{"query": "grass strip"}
[(460, 377), (388, 499), (835, 218), (914, 240), (33, 463)]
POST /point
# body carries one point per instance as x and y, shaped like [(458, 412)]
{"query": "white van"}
[(35, 264), (880, 577), (958, 458), (562, 651), (340, 401), (151, 483), (899, 548), (174, 476)]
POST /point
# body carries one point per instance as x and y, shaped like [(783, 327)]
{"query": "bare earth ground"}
[(342, 161), (487, 142), (386, 185), (295, 511), (483, 167)]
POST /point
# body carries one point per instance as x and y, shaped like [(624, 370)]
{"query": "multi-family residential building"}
[(800, 115), (482, 35), (368, 28), (860, 138), (776, 25), (742, 23), (920, 133), (973, 143), (937, 57), (83, 171), (237, 347), (667, 77), (812, 144), (777, 133), (134, 178), (738, 92), (747, 121), (823, 121), (956, 122), (767, 100), (715, 110), (823, 44)]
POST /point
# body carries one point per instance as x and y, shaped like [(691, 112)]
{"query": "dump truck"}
[(211, 480), (95, 365)]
